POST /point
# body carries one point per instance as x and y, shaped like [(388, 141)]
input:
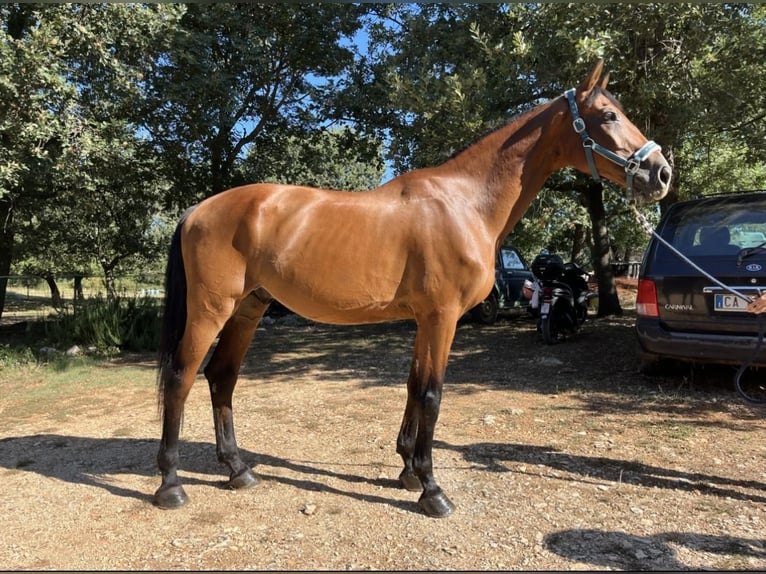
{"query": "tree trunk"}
[(50, 279), (578, 243), (6, 247), (109, 281), (608, 300), (78, 294), (111, 291)]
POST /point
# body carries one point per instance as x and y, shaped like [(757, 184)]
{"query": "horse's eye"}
[(610, 116)]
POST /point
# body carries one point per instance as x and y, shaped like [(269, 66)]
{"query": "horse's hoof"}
[(436, 505), (170, 497), (245, 479), (410, 482)]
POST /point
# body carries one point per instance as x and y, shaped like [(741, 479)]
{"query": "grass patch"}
[(67, 387), (15, 357), (671, 430), (38, 378)]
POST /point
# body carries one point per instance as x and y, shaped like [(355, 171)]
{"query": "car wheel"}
[(487, 310)]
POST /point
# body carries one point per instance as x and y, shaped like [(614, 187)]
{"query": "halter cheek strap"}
[(631, 164)]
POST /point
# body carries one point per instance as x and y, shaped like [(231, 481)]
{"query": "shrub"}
[(13, 357), (128, 324)]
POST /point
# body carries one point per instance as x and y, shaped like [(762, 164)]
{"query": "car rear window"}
[(716, 226)]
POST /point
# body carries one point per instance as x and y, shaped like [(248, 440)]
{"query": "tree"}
[(32, 91), (664, 59), (75, 73), (451, 72), (104, 104), (330, 159), (427, 91), (236, 72), (110, 199), (723, 147)]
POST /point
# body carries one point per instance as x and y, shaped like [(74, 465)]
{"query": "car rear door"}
[(686, 299)]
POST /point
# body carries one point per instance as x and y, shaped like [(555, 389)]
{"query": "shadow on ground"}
[(623, 551), (96, 461), (508, 457)]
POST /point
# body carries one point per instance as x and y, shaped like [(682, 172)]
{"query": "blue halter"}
[(631, 164)]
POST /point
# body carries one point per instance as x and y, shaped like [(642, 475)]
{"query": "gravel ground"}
[(557, 458)]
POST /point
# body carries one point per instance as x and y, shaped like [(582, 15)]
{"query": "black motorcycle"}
[(561, 297)]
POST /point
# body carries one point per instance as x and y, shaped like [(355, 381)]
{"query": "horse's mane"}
[(487, 133), (597, 90)]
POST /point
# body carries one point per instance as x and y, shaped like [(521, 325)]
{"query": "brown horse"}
[(433, 232)]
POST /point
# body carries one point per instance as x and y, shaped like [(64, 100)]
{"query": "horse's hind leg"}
[(177, 381), (222, 372)]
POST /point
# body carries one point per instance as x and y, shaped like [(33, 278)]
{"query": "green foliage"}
[(117, 115), (721, 169), (332, 159), (12, 357), (109, 324), (235, 74), (87, 189), (691, 76)]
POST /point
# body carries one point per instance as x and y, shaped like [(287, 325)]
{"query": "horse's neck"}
[(511, 164)]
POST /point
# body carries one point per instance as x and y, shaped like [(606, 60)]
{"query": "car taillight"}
[(646, 299)]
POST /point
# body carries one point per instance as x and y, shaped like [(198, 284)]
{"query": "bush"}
[(128, 324), (13, 357)]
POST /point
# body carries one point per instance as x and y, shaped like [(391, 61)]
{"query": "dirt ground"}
[(557, 457)]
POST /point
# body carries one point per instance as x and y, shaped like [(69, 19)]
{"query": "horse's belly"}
[(340, 310), (339, 297)]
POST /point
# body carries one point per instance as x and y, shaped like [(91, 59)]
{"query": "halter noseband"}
[(631, 164)]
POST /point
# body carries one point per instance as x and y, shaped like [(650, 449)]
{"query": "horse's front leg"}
[(408, 433), (222, 372), (424, 391)]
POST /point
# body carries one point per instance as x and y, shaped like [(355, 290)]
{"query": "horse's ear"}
[(589, 83), (604, 81)]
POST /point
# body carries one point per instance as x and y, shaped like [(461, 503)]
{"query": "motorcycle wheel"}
[(549, 328)]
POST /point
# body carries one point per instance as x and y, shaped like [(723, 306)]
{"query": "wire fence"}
[(29, 297)]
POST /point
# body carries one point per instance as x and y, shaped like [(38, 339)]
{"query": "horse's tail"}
[(174, 314)]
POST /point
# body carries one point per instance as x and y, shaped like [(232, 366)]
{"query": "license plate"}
[(727, 302), (544, 308)]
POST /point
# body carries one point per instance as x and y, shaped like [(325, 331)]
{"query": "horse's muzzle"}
[(662, 178), (653, 182)]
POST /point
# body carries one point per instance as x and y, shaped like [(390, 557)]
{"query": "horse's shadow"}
[(623, 551), (96, 462), (495, 457)]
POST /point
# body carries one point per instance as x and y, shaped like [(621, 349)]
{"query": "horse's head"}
[(614, 148)]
